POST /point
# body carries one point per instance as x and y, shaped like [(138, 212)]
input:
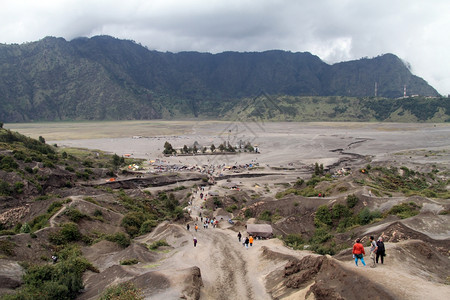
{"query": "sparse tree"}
[(221, 147), (168, 149), (249, 147), (185, 149), (41, 139), (316, 169), (213, 148), (117, 160)]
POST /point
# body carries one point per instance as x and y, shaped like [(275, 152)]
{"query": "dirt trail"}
[(400, 277), (228, 269)]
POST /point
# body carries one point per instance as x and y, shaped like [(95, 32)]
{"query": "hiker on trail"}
[(54, 259), (195, 241), (373, 250), (381, 251), (187, 227), (196, 227), (246, 242), (251, 241), (358, 252), (239, 236)]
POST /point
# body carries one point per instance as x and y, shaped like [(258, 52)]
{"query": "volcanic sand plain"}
[(228, 270)]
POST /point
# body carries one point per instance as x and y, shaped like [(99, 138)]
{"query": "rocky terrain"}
[(372, 183)]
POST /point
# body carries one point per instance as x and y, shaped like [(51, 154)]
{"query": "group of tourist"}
[(248, 240), (377, 251)]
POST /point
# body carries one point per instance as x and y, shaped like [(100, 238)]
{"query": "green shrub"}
[(405, 210), (231, 208), (54, 207), (58, 281), (92, 200), (125, 291), (6, 247), (148, 226), (248, 213), (5, 188), (98, 213), (309, 191), (7, 232), (294, 240), (75, 215), (18, 187), (340, 211), (8, 164), (346, 222), (132, 222), (217, 202), (266, 216), (323, 250), (342, 189), (300, 182), (157, 244), (178, 213), (127, 262), (323, 216), (321, 235), (120, 238), (352, 200), (39, 222), (17, 227), (364, 216), (69, 232), (25, 228), (313, 181)]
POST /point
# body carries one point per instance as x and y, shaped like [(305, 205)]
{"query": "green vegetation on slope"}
[(103, 78)]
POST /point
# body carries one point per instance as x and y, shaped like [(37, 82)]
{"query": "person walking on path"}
[(381, 251), (187, 227), (251, 241), (246, 242), (195, 241), (196, 227), (358, 252), (239, 236), (373, 250)]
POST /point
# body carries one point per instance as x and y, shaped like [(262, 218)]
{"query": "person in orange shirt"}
[(358, 252), (251, 240), (196, 227)]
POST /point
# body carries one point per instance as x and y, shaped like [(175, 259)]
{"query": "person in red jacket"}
[(358, 252)]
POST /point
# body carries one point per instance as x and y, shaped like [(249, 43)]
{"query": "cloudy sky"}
[(417, 31)]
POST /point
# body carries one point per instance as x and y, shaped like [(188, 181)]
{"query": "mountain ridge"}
[(103, 78)]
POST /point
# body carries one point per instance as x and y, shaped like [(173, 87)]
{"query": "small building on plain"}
[(260, 230)]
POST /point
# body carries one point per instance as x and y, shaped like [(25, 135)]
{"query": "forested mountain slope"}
[(103, 78)]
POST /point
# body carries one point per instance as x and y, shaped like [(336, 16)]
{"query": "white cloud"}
[(414, 30)]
